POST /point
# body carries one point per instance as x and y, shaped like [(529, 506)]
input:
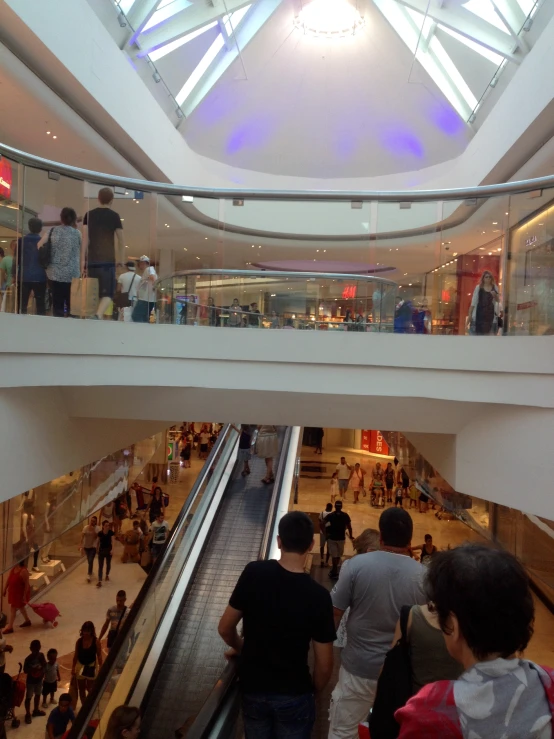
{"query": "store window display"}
[(484, 311)]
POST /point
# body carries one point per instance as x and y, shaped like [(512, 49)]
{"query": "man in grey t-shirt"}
[(375, 586)]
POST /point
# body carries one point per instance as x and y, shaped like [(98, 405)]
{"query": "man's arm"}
[(337, 615), (104, 628), (323, 664), (228, 629), (349, 527), (120, 250), (84, 245), (50, 730)]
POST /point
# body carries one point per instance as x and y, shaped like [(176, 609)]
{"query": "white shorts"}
[(351, 701)]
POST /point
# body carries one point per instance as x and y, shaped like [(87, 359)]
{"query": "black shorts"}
[(105, 274), (49, 688), (424, 498), (203, 447)]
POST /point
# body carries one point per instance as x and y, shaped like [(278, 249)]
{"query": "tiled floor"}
[(79, 601)]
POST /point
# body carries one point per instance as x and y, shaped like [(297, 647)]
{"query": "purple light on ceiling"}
[(345, 144), (218, 104), (403, 143), (447, 120), (249, 135)]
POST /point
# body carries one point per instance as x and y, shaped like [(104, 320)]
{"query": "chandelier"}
[(329, 19)]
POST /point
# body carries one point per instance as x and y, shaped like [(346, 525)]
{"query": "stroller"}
[(12, 693)]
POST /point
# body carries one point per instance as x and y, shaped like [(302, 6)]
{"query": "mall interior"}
[(318, 169)]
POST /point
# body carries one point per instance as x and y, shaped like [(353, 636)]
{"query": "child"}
[(34, 667), (51, 677), (414, 494), (245, 447), (60, 718), (334, 486), (398, 497)]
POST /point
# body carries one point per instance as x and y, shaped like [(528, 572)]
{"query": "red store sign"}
[(373, 442), (5, 178)]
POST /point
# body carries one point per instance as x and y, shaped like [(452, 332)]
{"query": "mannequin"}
[(28, 530), (49, 511)]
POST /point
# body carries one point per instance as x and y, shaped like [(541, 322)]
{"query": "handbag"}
[(394, 687), (45, 252), (73, 691), (89, 671), (122, 300), (84, 296), (112, 635)]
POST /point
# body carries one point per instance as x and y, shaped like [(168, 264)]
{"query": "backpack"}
[(394, 687), (45, 252)]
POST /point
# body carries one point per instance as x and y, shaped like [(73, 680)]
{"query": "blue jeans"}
[(274, 716), (141, 311)]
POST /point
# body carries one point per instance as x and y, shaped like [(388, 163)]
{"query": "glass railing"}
[(432, 250), (127, 659)]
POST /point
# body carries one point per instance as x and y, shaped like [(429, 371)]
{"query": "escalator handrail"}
[(86, 713), (211, 707)]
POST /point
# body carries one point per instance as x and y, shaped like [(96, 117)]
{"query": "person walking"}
[(115, 617), (89, 543), (127, 285), (245, 447), (334, 486), (267, 447), (378, 483), (102, 227), (427, 549), (32, 276), (105, 548), (146, 292), (356, 481), (323, 561), (87, 659), (65, 260), (156, 505), (283, 611), (337, 524), (18, 591), (34, 667), (389, 481), (485, 307), (235, 314), (319, 433), (160, 532), (343, 469), (374, 586)]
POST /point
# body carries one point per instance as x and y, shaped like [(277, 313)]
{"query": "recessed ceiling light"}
[(185, 248), (205, 238), (54, 137), (506, 213), (409, 284), (126, 246), (198, 257), (495, 223), (48, 133)]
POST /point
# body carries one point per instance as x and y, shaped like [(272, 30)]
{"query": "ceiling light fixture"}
[(329, 19), (54, 137), (48, 133)]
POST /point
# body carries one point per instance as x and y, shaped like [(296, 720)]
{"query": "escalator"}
[(168, 657)]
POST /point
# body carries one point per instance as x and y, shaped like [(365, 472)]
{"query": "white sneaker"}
[(36, 569), (88, 578)]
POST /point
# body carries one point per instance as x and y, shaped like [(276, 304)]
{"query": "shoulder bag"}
[(112, 634), (394, 687), (122, 300), (45, 252)]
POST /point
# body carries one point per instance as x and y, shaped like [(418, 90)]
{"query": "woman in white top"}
[(334, 486), (356, 481), (267, 447), (146, 292)]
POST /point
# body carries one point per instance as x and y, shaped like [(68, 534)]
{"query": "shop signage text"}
[(373, 442), (5, 178), (530, 241), (349, 292)]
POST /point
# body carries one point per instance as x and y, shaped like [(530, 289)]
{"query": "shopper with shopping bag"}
[(65, 241)]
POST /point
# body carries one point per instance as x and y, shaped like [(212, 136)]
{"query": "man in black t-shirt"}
[(336, 526), (104, 227), (283, 611)]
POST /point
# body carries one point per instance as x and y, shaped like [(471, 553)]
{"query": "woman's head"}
[(87, 629), (483, 602), (68, 217), (367, 541), (124, 723), (158, 492), (389, 466), (487, 279), (105, 526)]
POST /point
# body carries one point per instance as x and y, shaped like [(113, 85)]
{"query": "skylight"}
[(126, 5), (485, 10), (165, 10), (487, 53), (168, 48), (232, 21)]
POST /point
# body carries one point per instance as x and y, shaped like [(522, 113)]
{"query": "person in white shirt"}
[(129, 283), (344, 470), (146, 292)]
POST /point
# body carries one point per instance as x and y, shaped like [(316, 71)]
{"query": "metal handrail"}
[(272, 274), (208, 713), (385, 196), (100, 684)]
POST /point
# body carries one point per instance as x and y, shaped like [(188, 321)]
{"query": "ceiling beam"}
[(256, 18), (184, 22), (513, 17), (469, 25), (139, 15)]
